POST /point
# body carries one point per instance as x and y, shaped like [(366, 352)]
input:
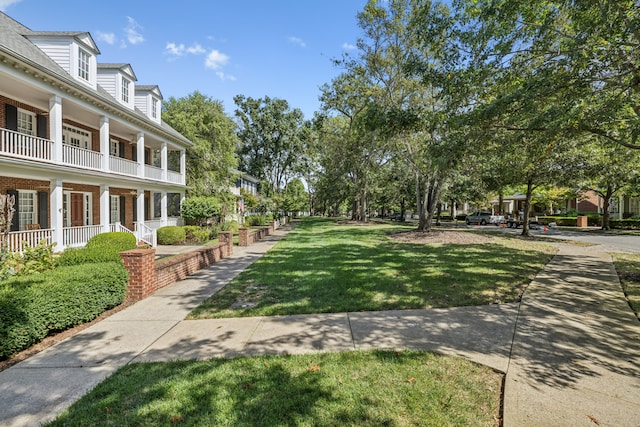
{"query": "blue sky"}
[(278, 48)]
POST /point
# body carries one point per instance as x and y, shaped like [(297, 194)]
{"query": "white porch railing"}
[(25, 146), (31, 238), (124, 166), (154, 224), (74, 237), (81, 157), (152, 172), (146, 234), (175, 177)]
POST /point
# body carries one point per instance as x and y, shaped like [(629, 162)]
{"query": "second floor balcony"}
[(21, 146)]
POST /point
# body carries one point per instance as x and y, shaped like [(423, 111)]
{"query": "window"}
[(125, 90), (76, 137), (114, 211), (83, 64), (27, 208), (154, 108), (26, 122), (173, 204), (114, 148)]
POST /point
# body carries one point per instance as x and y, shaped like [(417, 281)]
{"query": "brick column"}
[(272, 227), (140, 263), (226, 237), (243, 236)]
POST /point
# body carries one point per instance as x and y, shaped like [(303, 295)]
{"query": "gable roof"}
[(14, 42)]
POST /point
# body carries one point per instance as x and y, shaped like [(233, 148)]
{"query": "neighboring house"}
[(82, 147), (247, 183)]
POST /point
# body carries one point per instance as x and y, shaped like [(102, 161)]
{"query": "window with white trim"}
[(26, 122), (114, 149), (27, 208), (154, 108), (125, 90), (114, 210), (76, 137), (84, 59)]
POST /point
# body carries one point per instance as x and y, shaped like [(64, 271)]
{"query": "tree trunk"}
[(527, 206), (402, 209), (605, 214), (500, 202)]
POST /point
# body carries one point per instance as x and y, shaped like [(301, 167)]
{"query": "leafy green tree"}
[(271, 140), (212, 159), (295, 198), (200, 209)]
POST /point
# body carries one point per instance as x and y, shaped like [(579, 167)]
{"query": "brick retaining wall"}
[(147, 276)]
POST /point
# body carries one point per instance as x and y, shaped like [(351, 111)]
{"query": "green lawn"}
[(628, 267), (336, 389), (322, 266)]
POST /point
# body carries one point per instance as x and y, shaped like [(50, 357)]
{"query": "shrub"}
[(230, 226), (199, 209), (104, 247), (171, 235), (256, 220), (625, 224), (34, 305), (194, 234), (34, 259)]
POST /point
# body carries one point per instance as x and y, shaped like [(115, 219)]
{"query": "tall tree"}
[(212, 159), (271, 139)]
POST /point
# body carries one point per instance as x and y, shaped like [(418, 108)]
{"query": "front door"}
[(77, 209)]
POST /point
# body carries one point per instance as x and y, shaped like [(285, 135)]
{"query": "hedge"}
[(33, 306), (104, 247), (625, 224), (171, 235)]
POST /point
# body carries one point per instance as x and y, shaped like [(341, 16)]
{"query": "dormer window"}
[(125, 90), (83, 64), (154, 108)]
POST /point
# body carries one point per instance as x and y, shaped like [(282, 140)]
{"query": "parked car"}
[(484, 218)]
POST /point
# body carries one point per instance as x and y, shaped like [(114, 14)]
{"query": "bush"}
[(256, 220), (625, 224), (104, 247), (230, 226), (34, 259), (195, 234), (171, 235), (200, 209), (33, 306)]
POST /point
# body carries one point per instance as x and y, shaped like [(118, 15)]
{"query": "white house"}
[(83, 148)]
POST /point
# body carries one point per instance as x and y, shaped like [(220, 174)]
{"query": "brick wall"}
[(248, 236), (146, 276)]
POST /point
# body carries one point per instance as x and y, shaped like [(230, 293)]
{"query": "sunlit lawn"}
[(337, 389), (322, 266), (628, 267)]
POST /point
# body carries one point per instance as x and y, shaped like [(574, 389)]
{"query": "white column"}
[(55, 127), (55, 206), (104, 142), (104, 208), (140, 154), (163, 208), (183, 166), (163, 161), (140, 206)]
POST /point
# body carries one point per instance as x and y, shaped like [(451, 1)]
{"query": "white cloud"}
[(216, 60), (4, 4), (348, 46), (177, 50), (174, 49), (224, 76), (108, 38), (298, 41), (132, 30), (196, 49)]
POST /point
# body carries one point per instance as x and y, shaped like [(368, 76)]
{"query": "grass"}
[(628, 268), (322, 267), (375, 388)]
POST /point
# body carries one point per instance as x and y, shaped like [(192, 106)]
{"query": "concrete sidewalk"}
[(576, 343), (576, 352)]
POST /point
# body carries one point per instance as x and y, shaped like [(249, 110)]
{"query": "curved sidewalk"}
[(574, 333)]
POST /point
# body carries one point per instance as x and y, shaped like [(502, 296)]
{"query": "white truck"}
[(484, 218)]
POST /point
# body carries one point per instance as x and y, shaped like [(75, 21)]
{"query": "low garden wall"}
[(147, 276), (248, 236)]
